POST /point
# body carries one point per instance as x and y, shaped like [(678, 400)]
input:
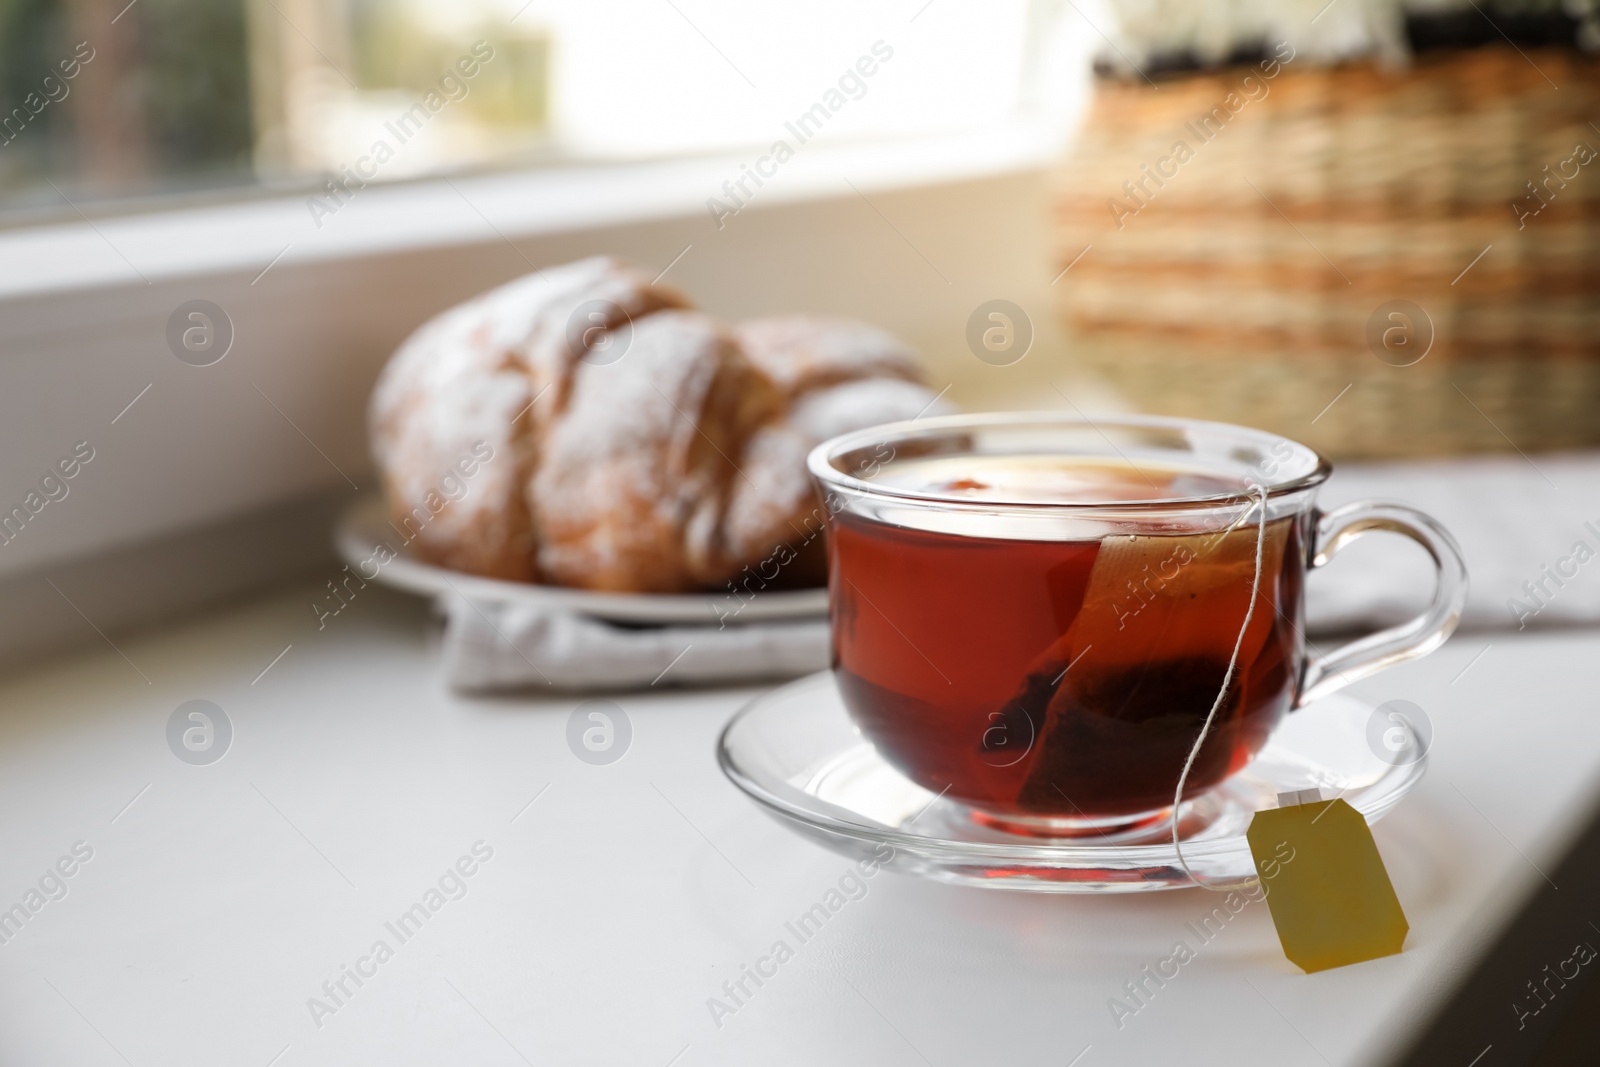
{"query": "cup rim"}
[(818, 460)]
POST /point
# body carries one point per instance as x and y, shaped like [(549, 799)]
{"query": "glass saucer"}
[(797, 753)]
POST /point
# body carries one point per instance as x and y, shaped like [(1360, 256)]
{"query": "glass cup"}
[(1049, 662)]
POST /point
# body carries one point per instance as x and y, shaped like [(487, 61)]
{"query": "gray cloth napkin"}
[(489, 645), (1518, 520)]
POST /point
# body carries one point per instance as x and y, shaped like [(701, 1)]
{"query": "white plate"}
[(364, 525)]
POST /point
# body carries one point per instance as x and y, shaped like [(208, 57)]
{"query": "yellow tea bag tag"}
[(1329, 894)]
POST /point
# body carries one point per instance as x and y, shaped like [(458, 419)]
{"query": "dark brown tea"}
[(1064, 677)]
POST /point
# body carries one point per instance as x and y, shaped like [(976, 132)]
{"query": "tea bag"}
[(1328, 891), (1142, 664)]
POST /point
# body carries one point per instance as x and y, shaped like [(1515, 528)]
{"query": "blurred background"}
[(188, 95), (1391, 144), (1369, 225)]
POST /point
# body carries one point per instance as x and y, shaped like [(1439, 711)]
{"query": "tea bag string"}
[(1227, 680)]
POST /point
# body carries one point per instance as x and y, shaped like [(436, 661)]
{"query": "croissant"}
[(583, 426)]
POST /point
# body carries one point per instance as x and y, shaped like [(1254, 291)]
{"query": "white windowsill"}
[(248, 236)]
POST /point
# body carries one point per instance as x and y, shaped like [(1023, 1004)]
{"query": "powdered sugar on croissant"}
[(837, 377), (636, 469), (484, 377), (634, 445)]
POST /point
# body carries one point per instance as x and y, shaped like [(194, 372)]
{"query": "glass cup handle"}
[(1326, 672)]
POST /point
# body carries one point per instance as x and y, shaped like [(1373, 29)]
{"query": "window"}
[(106, 100)]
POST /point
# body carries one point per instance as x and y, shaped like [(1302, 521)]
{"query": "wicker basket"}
[(1243, 287)]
